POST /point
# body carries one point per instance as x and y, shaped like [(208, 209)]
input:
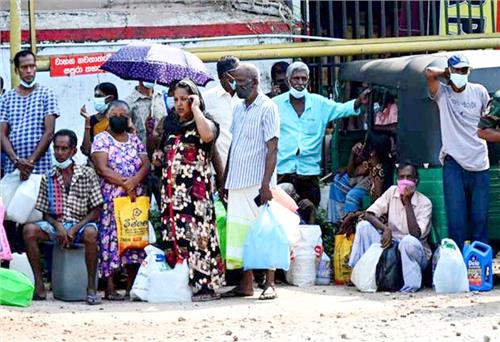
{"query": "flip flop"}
[(115, 296), (266, 295), (205, 297), (234, 292), (36, 297), (93, 299)]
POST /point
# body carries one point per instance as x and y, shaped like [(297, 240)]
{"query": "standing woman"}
[(122, 163), (104, 94), (188, 216)]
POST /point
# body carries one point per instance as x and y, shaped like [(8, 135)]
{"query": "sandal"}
[(115, 296), (93, 299), (268, 294), (235, 292), (205, 297), (37, 297)]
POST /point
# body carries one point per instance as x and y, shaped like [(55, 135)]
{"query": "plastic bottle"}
[(478, 258)]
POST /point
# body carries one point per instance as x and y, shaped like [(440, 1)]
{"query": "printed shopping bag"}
[(341, 254), (132, 223)]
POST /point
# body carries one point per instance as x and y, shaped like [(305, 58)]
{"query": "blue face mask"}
[(28, 85), (232, 84), (100, 104), (61, 165), (149, 85)]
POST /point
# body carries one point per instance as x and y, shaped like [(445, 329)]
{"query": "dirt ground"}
[(321, 313)]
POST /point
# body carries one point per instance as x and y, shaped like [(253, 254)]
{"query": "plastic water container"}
[(69, 273), (478, 258), (21, 264)]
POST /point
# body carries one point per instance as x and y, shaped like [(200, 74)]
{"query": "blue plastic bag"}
[(266, 245)]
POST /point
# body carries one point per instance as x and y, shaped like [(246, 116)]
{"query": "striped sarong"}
[(241, 213)]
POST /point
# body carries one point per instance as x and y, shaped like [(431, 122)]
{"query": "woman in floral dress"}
[(188, 216), (122, 163)]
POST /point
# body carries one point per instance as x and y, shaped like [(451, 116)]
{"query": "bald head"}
[(247, 70)]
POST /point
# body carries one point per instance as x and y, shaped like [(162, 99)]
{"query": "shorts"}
[(52, 231)]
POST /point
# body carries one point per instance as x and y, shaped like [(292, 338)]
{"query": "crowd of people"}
[(236, 143)]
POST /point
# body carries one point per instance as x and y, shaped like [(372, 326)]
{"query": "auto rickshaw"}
[(417, 131)]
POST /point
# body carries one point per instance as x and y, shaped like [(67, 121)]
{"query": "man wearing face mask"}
[(145, 102), (70, 199), (27, 119), (220, 101), (279, 83), (409, 221), (303, 119), (250, 172), (464, 154)]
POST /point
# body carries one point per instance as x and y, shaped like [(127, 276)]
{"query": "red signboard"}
[(72, 65)]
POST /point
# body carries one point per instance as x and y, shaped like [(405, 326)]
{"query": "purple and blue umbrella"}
[(157, 63)]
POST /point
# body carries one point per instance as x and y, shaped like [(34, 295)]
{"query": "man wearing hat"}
[(489, 125), (464, 154)]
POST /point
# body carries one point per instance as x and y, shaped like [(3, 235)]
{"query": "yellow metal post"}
[(15, 38), (31, 9)]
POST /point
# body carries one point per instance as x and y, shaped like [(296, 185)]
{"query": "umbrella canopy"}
[(157, 63)]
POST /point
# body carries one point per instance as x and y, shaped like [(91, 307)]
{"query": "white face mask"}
[(28, 85), (459, 80), (170, 102), (149, 85), (298, 94), (62, 165)]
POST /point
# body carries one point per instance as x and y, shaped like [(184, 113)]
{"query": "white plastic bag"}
[(20, 263), (288, 220), (325, 196), (364, 273), (152, 233), (8, 186), (23, 202), (170, 286), (324, 274), (450, 275), (304, 263), (154, 261)]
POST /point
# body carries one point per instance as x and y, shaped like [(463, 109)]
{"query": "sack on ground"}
[(15, 288), (341, 253), (132, 220), (324, 274), (364, 272), (170, 286), (154, 261), (220, 221), (305, 257), (450, 275), (389, 275), (22, 203), (266, 245)]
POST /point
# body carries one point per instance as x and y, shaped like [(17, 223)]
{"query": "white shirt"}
[(460, 114), (220, 105)]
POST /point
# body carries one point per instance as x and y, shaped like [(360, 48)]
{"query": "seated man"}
[(409, 222), (70, 199)]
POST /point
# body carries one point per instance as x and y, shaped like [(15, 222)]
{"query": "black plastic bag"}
[(389, 273)]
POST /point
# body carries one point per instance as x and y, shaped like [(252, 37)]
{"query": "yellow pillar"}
[(15, 38), (31, 9)]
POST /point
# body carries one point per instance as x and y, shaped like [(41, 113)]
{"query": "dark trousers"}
[(466, 201), (306, 186)]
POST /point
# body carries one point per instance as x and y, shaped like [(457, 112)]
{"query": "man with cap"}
[(464, 154), (489, 125), (303, 119)]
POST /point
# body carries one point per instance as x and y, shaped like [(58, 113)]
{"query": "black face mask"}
[(243, 92), (118, 124)]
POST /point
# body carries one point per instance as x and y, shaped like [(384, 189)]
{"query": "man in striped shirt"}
[(250, 172)]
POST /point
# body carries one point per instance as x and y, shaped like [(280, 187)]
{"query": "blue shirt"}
[(252, 128), (299, 146), (25, 116)]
